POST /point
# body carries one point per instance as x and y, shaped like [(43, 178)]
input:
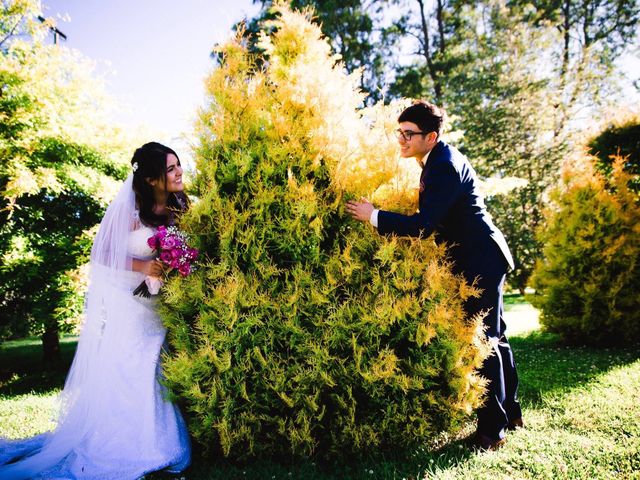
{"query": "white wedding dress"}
[(114, 420)]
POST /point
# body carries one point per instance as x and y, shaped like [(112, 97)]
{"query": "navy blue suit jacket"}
[(451, 206)]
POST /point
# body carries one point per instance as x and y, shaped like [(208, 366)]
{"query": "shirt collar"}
[(423, 161)]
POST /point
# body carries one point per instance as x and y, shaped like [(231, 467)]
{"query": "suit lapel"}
[(425, 170)]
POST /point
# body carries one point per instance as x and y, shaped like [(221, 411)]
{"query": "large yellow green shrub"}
[(589, 278), (304, 332)]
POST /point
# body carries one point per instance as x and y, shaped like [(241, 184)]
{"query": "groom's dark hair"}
[(427, 116)]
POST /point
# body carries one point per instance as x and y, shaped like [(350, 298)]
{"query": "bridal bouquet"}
[(174, 251)]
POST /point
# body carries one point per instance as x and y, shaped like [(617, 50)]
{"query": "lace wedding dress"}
[(114, 420)]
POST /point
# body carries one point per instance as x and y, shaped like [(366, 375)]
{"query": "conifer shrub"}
[(303, 332), (589, 277)]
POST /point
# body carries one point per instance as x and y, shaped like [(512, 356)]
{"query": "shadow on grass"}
[(547, 366), (393, 466), (23, 371)]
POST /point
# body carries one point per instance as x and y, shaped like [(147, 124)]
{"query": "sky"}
[(153, 55)]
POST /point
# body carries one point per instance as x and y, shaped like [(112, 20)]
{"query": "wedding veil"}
[(83, 396)]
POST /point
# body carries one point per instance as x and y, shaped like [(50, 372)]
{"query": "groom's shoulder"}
[(448, 150), (443, 152)]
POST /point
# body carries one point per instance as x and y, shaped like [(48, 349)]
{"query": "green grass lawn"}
[(581, 408)]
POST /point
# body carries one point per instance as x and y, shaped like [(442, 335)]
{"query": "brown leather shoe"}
[(479, 441), (514, 424)]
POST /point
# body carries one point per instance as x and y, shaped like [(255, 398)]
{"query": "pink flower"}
[(151, 241), (175, 253), (184, 269), (167, 243), (174, 263), (166, 257)]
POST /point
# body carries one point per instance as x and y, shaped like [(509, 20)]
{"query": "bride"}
[(114, 420)]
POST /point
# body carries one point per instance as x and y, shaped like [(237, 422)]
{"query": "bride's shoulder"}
[(136, 223), (138, 228)]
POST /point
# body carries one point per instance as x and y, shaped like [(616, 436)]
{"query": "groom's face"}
[(413, 142)]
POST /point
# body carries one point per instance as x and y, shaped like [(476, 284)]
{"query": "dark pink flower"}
[(166, 257), (184, 269), (167, 243)]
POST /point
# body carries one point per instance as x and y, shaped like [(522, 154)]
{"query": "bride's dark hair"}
[(149, 162)]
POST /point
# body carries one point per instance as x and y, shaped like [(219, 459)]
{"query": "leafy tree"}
[(360, 32), (592, 34), (303, 332), (438, 29), (61, 164), (575, 44), (18, 19)]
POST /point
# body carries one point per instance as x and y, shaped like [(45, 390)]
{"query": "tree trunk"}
[(51, 345), (427, 55), (564, 69), (441, 27)]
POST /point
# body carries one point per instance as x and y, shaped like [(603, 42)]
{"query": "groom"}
[(451, 206)]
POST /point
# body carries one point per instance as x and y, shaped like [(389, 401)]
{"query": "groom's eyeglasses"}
[(408, 134)]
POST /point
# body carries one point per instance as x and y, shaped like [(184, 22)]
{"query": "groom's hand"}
[(360, 210)]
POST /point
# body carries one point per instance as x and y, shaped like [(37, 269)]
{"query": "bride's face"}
[(174, 177)]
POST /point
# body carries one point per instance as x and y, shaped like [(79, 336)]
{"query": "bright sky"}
[(154, 54)]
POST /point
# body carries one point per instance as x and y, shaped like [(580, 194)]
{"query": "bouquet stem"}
[(142, 290)]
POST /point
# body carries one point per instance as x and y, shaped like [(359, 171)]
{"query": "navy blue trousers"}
[(501, 405)]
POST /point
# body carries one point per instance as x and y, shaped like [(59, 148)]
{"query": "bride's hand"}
[(153, 268)]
